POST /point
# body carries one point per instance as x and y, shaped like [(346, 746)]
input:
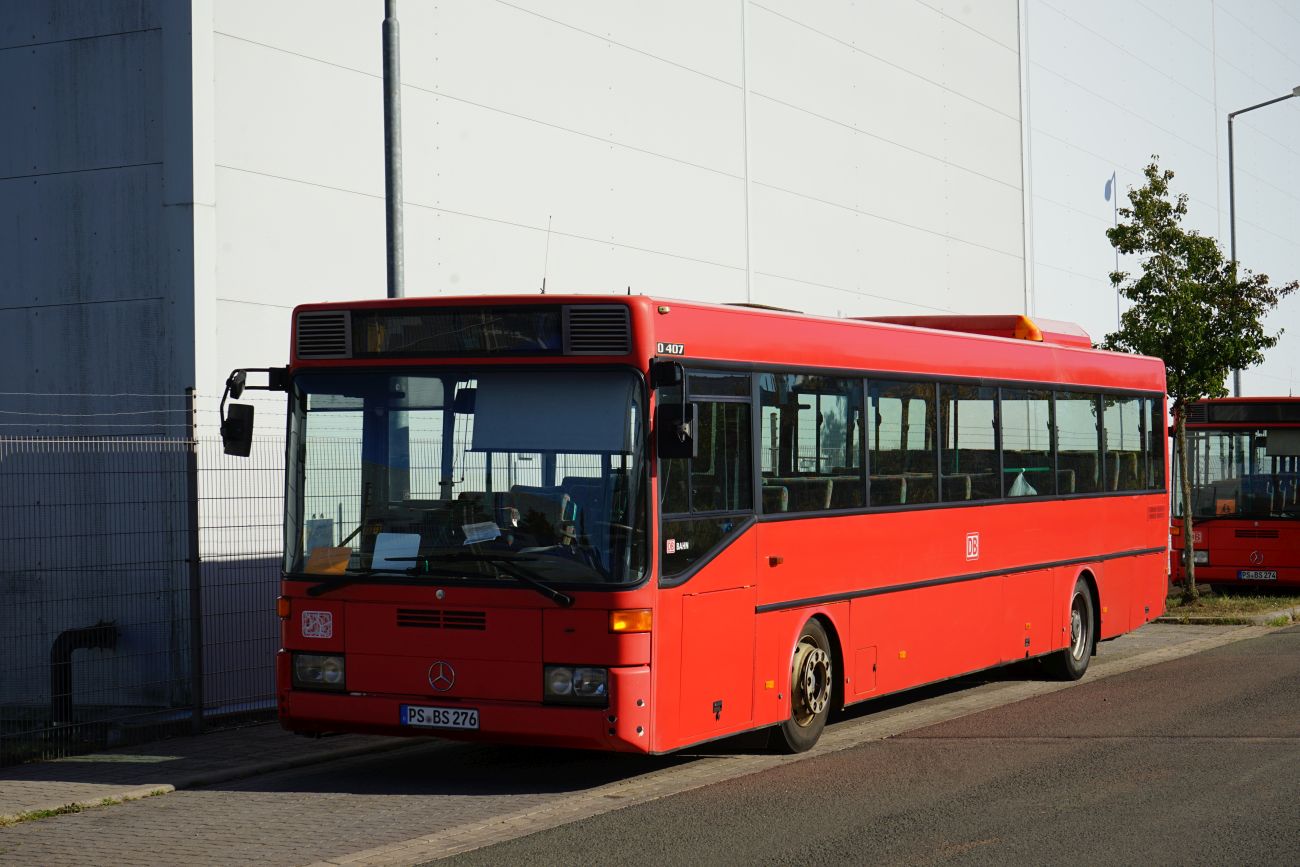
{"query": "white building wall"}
[(1113, 83), (602, 146)]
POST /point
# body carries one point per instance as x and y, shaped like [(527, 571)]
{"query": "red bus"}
[(1244, 463), (635, 524)]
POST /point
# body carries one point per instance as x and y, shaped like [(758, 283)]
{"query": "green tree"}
[(1192, 307)]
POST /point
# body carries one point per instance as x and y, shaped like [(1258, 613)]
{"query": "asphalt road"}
[(1196, 761), (1180, 745)]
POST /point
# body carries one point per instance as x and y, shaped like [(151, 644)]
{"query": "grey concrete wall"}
[(88, 292)]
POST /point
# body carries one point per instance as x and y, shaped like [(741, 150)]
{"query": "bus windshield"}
[(1243, 473), (480, 475)]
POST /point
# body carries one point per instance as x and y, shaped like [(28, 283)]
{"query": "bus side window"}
[(970, 453), (901, 427), (1123, 423), (1078, 440), (1156, 435), (1027, 468), (716, 486)]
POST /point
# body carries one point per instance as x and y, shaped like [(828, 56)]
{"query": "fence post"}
[(196, 573)]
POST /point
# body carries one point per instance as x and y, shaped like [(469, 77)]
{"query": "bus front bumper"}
[(623, 726)]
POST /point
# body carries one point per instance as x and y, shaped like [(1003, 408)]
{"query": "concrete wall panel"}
[(80, 238), (59, 20), (81, 104)]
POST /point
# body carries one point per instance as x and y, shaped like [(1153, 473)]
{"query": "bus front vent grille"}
[(324, 334), (597, 329), (434, 618), (1257, 534)]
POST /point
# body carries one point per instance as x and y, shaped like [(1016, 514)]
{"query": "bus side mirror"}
[(675, 434), (237, 430), (665, 373)]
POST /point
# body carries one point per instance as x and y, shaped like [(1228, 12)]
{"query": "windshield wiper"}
[(408, 576), (424, 566), (503, 563)]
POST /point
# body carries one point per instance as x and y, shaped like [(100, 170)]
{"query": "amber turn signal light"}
[(630, 620), (282, 607)]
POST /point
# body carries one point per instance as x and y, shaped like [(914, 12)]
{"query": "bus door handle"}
[(774, 560)]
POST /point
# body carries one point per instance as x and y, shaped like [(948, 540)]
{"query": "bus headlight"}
[(573, 684), (318, 671), (1201, 558)]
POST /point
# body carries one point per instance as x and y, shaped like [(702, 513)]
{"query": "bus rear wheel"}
[(811, 689), (1072, 662)]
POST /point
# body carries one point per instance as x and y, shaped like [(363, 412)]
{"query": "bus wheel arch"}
[(1083, 625), (1091, 581), (813, 688)]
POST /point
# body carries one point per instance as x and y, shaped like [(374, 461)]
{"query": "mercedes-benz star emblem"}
[(1257, 558), (442, 676)]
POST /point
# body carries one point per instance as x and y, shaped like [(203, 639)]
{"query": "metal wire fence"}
[(140, 569)]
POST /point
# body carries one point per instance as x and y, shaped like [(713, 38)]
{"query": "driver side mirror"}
[(237, 430), (675, 432)]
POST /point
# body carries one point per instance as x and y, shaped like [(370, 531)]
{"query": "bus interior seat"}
[(550, 504), (847, 491), (1084, 467), (888, 490), (807, 493), (921, 488), (956, 486), (776, 498)]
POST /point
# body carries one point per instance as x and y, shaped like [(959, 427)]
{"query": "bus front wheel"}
[(1072, 662), (811, 673)]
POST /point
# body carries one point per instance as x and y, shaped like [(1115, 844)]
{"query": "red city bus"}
[(1244, 455), (635, 524)]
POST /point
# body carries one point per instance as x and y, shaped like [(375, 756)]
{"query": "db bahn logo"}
[(442, 676), (1257, 558)]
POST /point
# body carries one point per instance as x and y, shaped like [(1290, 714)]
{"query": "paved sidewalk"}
[(127, 773)]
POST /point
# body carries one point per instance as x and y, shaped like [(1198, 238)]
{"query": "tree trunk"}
[(1185, 485)]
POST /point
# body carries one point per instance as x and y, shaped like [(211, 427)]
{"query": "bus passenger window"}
[(1123, 423), (1157, 434), (901, 441), (1078, 442), (1027, 467), (970, 453), (811, 447)]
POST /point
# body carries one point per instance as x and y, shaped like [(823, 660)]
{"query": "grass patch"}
[(66, 809), (1231, 603)]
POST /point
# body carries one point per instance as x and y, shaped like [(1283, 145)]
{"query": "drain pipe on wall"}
[(101, 636)]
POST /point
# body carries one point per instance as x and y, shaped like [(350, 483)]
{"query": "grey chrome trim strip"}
[(954, 579)]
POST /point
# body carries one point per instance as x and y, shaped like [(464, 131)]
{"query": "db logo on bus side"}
[(972, 546), (670, 348)]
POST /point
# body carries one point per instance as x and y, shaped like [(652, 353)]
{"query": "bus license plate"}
[(1257, 575), (439, 717)]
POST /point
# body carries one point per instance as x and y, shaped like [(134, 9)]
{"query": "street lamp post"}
[(1232, 204)]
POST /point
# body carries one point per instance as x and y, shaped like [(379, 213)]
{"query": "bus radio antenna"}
[(546, 260)]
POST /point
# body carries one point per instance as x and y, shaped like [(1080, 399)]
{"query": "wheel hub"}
[(812, 682)]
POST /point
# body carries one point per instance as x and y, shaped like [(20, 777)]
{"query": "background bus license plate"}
[(1257, 575), (439, 717)]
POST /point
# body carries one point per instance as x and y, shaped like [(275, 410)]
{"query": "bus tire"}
[(811, 688), (1072, 662)]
